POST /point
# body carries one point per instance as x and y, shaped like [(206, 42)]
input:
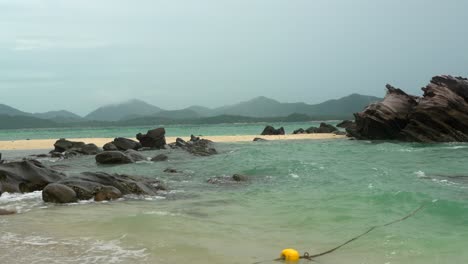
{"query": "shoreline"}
[(37, 144)]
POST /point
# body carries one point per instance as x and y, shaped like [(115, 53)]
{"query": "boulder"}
[(200, 147), (160, 157), (110, 147), (107, 186), (107, 193), (126, 144), (269, 130), (58, 193), (323, 128), (299, 131), (26, 176), (62, 145), (113, 157), (154, 139), (135, 155), (440, 115), (345, 124), (259, 139)]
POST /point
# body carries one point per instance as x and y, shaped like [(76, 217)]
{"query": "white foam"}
[(81, 250), (293, 175), (420, 174), (160, 213), (21, 202)]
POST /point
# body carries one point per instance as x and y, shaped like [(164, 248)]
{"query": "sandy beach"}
[(48, 143)]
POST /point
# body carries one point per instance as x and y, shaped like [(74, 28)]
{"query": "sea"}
[(309, 195)]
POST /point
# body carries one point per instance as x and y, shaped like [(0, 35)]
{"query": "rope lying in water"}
[(311, 257)]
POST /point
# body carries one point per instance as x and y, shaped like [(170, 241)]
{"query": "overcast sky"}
[(81, 54)]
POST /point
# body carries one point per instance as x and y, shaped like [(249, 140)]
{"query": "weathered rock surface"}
[(58, 193), (440, 115), (269, 130), (104, 186), (126, 144), (74, 148), (113, 157), (26, 176), (154, 139), (196, 146)]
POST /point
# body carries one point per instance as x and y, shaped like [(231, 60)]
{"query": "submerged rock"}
[(160, 157), (440, 115), (236, 178), (259, 139), (26, 176), (170, 170), (269, 130), (154, 139), (7, 212)]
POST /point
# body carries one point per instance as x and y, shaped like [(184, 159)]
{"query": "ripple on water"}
[(81, 250)]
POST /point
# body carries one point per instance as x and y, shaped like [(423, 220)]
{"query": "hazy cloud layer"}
[(80, 54)]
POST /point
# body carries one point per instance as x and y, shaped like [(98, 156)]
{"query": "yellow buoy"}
[(290, 254)]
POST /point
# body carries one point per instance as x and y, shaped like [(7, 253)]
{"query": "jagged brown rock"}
[(440, 115)]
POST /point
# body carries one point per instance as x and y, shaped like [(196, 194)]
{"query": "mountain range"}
[(136, 110)]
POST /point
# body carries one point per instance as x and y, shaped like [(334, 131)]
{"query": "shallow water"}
[(308, 195)]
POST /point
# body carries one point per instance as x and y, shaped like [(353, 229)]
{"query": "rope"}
[(311, 257)]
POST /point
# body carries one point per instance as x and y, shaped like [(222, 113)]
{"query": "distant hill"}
[(126, 110), (8, 110), (23, 121), (266, 107), (200, 110), (61, 116), (178, 114)]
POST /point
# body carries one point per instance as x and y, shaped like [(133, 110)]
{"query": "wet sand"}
[(48, 143)]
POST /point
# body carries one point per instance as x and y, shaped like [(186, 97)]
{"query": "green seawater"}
[(308, 195), (172, 130)]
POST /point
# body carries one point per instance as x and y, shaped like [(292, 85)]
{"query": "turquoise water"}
[(172, 130), (308, 195)]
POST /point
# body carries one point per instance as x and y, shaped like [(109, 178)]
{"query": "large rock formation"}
[(154, 139), (26, 176), (195, 146), (126, 144), (269, 130), (72, 148), (440, 115)]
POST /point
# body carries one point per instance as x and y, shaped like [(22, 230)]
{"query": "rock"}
[(154, 139), (62, 145), (170, 170), (7, 212), (135, 155), (58, 193), (88, 185), (299, 131), (160, 157), (240, 178), (345, 124), (200, 147), (259, 139), (1, 161), (440, 115), (26, 176), (110, 147), (107, 193), (57, 155), (126, 144), (324, 128), (113, 157), (236, 178), (269, 130)]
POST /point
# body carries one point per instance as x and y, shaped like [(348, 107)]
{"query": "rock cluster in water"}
[(269, 130), (440, 115), (323, 128), (31, 175), (195, 146)]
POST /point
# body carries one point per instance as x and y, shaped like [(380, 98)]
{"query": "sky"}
[(82, 54)]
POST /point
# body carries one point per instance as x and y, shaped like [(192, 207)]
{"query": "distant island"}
[(136, 112)]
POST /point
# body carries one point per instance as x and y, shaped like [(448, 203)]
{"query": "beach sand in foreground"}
[(49, 143)]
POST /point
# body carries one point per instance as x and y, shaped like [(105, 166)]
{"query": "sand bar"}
[(48, 143)]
